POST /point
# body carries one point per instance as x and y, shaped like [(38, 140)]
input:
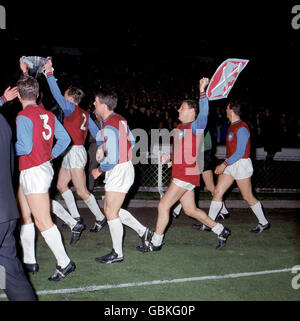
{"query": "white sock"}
[(178, 208), (94, 207), (157, 239), (218, 228), (132, 222), (61, 213), (224, 209), (214, 209), (116, 233), (53, 239), (71, 203), (258, 211), (27, 237)]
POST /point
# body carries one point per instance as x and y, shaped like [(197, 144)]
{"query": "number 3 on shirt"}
[(45, 119)]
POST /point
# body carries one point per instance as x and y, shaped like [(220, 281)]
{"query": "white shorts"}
[(37, 180), (75, 158), (120, 178), (185, 185), (241, 169)]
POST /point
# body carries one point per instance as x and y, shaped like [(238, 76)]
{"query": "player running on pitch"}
[(36, 129), (77, 122), (237, 167), (185, 172), (119, 173)]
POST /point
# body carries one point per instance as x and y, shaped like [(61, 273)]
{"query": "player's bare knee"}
[(163, 206), (108, 210)]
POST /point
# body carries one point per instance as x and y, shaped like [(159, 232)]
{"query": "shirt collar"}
[(33, 105), (104, 120), (235, 122), (183, 124)]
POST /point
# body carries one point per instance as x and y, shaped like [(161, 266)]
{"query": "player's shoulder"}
[(118, 117), (182, 126), (114, 120), (244, 124), (27, 112), (80, 109)]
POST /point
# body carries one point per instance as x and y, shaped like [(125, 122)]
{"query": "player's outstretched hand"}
[(10, 93)]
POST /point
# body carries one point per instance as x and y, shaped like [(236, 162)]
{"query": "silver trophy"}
[(35, 64)]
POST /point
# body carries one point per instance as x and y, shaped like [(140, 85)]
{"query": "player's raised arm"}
[(67, 106), (200, 123)]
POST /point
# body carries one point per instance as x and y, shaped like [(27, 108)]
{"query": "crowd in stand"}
[(149, 98)]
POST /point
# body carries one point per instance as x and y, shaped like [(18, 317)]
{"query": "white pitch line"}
[(93, 288)]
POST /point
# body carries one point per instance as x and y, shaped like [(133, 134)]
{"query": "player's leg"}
[(35, 183), (64, 178), (40, 208), (118, 181), (245, 187), (129, 220), (76, 226), (60, 212), (78, 177), (224, 182), (79, 181), (39, 204), (190, 209), (27, 233), (76, 161), (188, 204), (112, 204), (172, 195), (208, 179)]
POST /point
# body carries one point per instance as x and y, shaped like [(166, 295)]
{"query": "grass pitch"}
[(188, 268)]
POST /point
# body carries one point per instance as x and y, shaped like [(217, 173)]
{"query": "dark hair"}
[(192, 104), (107, 97), (236, 106), (28, 88), (76, 93)]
